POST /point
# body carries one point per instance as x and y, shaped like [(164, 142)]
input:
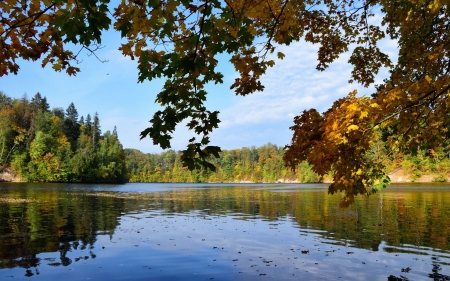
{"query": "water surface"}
[(141, 231)]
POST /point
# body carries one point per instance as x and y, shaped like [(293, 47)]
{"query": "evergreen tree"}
[(59, 112), (88, 126), (39, 103), (38, 106), (96, 132), (44, 106), (72, 113), (5, 100), (71, 125)]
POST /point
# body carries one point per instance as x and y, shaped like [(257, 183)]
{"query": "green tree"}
[(88, 125), (50, 158), (71, 125), (5, 100), (112, 163), (7, 123), (96, 131), (85, 162), (39, 103)]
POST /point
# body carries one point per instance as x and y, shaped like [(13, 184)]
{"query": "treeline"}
[(262, 164), (54, 145), (434, 163), (265, 164)]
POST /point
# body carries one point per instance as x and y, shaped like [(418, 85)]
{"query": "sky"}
[(112, 90)]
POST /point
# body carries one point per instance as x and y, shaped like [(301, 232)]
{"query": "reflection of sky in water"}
[(194, 246), (164, 187), (154, 241)]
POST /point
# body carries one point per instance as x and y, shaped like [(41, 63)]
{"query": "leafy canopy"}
[(181, 39)]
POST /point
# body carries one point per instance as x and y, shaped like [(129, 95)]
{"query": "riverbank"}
[(7, 174)]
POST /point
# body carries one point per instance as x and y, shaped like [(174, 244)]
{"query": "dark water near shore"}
[(222, 232)]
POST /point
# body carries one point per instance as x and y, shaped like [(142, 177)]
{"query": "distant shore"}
[(7, 174)]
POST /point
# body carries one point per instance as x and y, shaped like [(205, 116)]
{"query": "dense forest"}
[(55, 145), (263, 164)]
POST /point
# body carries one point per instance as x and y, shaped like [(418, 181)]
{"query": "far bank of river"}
[(397, 176)]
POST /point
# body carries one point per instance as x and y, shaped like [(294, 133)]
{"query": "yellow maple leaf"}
[(352, 128), (57, 67)]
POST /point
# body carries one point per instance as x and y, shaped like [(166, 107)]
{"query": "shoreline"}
[(397, 176)]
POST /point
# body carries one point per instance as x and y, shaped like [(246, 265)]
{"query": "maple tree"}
[(181, 39)]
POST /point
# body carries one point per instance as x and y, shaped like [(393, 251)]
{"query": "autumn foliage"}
[(180, 41)]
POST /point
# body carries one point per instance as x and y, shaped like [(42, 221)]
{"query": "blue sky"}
[(111, 89)]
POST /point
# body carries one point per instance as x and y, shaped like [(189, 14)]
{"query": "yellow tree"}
[(180, 40)]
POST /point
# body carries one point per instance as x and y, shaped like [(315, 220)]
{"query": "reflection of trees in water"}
[(438, 276), (435, 275), (62, 222), (398, 218), (56, 222)]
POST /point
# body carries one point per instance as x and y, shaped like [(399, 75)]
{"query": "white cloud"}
[(291, 86)]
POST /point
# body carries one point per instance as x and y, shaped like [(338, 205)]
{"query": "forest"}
[(56, 145), (265, 164)]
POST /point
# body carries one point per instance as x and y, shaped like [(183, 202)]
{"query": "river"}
[(147, 231)]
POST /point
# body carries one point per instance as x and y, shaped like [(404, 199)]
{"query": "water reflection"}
[(223, 232)]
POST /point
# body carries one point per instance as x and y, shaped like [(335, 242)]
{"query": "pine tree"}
[(88, 126), (39, 103), (5, 100), (44, 106), (71, 125), (72, 113), (96, 132), (59, 112)]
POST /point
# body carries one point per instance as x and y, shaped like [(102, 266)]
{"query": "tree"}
[(112, 164), (71, 125), (96, 132), (39, 103), (88, 125), (59, 112), (5, 100), (7, 117), (84, 162), (49, 158), (180, 40)]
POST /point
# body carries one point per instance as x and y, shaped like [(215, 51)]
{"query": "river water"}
[(142, 231)]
